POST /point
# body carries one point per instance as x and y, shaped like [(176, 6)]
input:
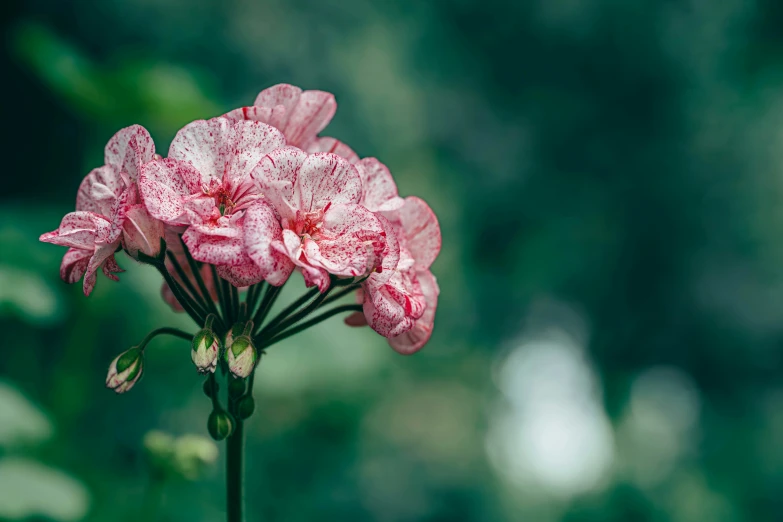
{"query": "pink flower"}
[(104, 200), (300, 115), (310, 218), (205, 184), (400, 303)]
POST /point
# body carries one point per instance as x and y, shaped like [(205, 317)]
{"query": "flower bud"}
[(125, 370), (220, 424), (204, 350), (236, 388), (245, 407), (241, 356), (141, 232), (233, 333)]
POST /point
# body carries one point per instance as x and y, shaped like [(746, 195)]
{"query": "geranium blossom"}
[(205, 185), (108, 213), (321, 227), (299, 114)]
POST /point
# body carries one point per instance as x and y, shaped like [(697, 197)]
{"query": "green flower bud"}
[(204, 350), (125, 370), (210, 386), (236, 387), (246, 407), (241, 356), (220, 424), (233, 333)]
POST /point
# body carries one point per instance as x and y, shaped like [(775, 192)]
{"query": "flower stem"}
[(180, 295), (165, 331), (235, 479), (196, 269), (307, 324)]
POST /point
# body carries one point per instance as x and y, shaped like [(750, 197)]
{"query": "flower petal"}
[(201, 144), (412, 340), (246, 274), (99, 190), (351, 241), (77, 230), (326, 179), (247, 143), (74, 264), (141, 232), (262, 229), (166, 187), (379, 192), (129, 149), (279, 100), (311, 114), (214, 249), (421, 231), (334, 146), (276, 176)]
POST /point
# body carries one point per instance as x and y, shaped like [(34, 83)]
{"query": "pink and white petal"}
[(314, 276), (351, 242), (391, 252), (167, 186), (273, 116), (129, 198), (333, 146), (246, 274), (325, 179), (99, 190), (421, 230), (77, 230), (280, 100), (215, 250), (311, 114), (74, 264), (110, 267), (99, 257), (261, 230), (379, 192), (89, 282), (202, 144), (385, 315), (415, 338), (129, 149), (141, 232), (356, 319), (247, 143), (276, 176)]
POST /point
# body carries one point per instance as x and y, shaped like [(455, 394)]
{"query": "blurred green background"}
[(608, 176)]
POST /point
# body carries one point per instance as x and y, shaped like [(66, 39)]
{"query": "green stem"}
[(235, 303), (179, 294), (266, 305), (221, 298), (199, 280), (312, 322), (337, 295), (235, 487), (187, 286), (290, 309), (281, 322), (166, 330)]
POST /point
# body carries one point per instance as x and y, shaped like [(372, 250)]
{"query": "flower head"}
[(310, 218)]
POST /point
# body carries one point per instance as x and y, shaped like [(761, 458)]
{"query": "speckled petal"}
[(414, 339), (167, 186), (77, 230), (326, 179), (379, 192), (214, 249), (99, 190), (74, 264), (333, 146), (311, 114), (421, 231), (246, 274), (262, 229), (350, 243), (276, 176), (129, 149), (247, 142), (202, 145), (279, 100)]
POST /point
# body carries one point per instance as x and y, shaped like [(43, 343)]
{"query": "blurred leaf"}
[(33, 489), (21, 422)]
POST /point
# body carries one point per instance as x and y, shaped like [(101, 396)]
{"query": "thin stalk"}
[(221, 298), (235, 303), (180, 295), (312, 322), (235, 486), (197, 300), (166, 330), (266, 304), (279, 325), (199, 280), (337, 295), (291, 309), (230, 317)]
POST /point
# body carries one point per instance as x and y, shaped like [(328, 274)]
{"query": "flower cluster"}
[(241, 202)]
